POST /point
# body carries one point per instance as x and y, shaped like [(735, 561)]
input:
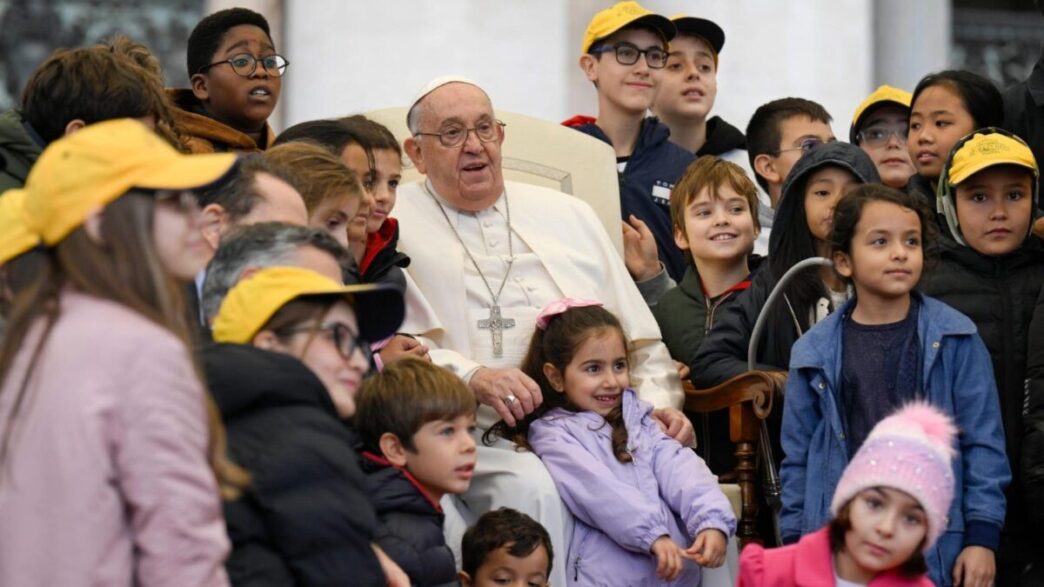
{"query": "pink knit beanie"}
[(910, 451)]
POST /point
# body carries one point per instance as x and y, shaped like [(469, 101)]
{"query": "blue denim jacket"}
[(958, 379)]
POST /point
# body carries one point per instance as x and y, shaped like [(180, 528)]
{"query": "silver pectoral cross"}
[(496, 325)]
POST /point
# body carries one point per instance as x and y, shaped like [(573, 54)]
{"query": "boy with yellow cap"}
[(992, 270), (879, 127), (623, 54)]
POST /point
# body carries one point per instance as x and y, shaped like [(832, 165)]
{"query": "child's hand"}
[(975, 567), (669, 558), (708, 550)]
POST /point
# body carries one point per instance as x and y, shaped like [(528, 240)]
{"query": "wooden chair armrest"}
[(756, 387)]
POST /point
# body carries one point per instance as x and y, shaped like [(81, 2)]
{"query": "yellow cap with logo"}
[(620, 15), (987, 150), (882, 95), (92, 167), (15, 238), (252, 302)]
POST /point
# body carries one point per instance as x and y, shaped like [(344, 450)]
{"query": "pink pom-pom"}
[(921, 416)]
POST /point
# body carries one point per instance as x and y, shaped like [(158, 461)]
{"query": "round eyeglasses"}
[(628, 54), (455, 135), (245, 64)]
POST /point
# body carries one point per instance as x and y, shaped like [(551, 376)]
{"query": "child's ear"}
[(212, 219), (198, 81), (392, 449), (74, 125), (765, 166), (413, 151), (465, 579), (681, 239), (554, 377), (843, 264), (587, 65), (266, 339)]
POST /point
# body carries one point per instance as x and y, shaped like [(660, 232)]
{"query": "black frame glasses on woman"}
[(628, 54), (346, 341), (457, 134), (245, 64)]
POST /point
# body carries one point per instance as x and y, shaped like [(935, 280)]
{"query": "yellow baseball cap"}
[(620, 15), (252, 302), (986, 150), (15, 238), (882, 95), (90, 168)]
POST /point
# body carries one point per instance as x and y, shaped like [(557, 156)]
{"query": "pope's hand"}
[(676, 425), (510, 392)]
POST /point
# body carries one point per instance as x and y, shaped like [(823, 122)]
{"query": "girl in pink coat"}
[(889, 508)]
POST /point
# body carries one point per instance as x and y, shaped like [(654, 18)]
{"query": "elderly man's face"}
[(469, 176)]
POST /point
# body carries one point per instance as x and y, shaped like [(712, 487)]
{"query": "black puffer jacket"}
[(1000, 295), (723, 352), (410, 525), (1032, 465), (305, 519)]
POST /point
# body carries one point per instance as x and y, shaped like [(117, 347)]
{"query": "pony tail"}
[(619, 435)]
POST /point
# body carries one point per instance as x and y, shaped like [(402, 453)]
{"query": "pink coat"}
[(106, 480), (809, 563)]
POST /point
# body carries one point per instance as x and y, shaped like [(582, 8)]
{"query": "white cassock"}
[(560, 249)]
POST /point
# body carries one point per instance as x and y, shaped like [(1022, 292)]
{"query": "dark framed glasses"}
[(628, 54), (346, 341), (454, 135), (245, 64)]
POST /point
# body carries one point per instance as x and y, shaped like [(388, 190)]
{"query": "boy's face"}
[(501, 569), (690, 81), (796, 134), (994, 207), (886, 253), (627, 88), (385, 182), (884, 139), (244, 103), (718, 229), (443, 459), (822, 192)]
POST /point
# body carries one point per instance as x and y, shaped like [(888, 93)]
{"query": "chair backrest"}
[(544, 153)]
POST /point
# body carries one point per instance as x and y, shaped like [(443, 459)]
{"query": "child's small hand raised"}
[(708, 550), (669, 558)]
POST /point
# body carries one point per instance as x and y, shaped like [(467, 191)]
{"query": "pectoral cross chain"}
[(496, 326)]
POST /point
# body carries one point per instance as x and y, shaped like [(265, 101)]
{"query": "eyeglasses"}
[(346, 341), (804, 146), (628, 54), (245, 65), (452, 136), (879, 136)]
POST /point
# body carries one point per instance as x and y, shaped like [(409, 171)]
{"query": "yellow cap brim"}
[(188, 172)]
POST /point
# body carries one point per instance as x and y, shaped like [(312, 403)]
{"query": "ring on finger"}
[(510, 400)]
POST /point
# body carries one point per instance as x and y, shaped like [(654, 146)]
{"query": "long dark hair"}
[(124, 268), (980, 96), (557, 345)]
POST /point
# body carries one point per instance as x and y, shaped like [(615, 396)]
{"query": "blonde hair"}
[(316, 173)]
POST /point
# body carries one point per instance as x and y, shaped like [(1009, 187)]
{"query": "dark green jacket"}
[(18, 150)]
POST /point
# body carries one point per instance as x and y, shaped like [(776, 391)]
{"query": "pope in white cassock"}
[(487, 256)]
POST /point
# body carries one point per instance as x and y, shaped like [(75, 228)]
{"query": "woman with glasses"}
[(108, 454), (879, 127), (292, 348), (236, 77)]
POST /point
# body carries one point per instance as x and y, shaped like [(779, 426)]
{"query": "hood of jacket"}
[(837, 154), (722, 137), (381, 253), (19, 146), (203, 134), (243, 378)]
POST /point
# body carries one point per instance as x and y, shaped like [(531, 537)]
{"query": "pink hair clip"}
[(558, 306)]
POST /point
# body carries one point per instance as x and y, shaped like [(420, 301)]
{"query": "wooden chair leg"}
[(747, 472)]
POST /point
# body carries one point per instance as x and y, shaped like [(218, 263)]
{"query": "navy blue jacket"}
[(646, 183), (958, 379)]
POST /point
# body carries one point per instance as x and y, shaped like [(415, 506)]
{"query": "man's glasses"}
[(452, 136), (628, 54), (879, 136), (804, 146), (346, 341), (246, 64)]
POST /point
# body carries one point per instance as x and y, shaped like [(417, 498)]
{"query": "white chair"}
[(544, 153)]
